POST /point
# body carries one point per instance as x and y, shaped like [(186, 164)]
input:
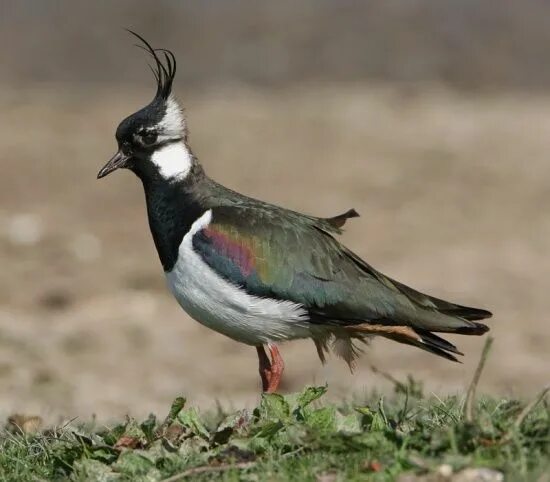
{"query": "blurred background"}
[(429, 117)]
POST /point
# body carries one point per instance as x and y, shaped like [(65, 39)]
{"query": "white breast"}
[(226, 308)]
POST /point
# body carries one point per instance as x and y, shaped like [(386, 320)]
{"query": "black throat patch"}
[(172, 208)]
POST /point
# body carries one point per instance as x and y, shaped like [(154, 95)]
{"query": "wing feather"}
[(282, 255)]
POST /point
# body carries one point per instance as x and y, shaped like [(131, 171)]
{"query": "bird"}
[(259, 273)]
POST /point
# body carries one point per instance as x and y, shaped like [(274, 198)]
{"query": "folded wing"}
[(283, 255)]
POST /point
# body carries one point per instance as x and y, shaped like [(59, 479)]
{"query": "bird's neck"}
[(172, 207)]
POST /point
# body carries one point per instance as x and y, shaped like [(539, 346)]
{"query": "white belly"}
[(227, 309)]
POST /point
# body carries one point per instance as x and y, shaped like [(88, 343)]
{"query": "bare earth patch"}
[(453, 196)]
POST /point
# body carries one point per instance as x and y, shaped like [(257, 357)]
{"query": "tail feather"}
[(420, 338), (432, 303), (476, 329), (437, 321), (431, 343), (450, 319), (407, 334), (432, 348), (436, 341), (465, 312)]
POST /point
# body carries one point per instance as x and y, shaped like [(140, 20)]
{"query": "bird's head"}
[(152, 142)]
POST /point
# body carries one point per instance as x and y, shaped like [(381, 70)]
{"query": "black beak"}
[(118, 160)]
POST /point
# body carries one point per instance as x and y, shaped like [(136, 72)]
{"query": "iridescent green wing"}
[(283, 255), (276, 254)]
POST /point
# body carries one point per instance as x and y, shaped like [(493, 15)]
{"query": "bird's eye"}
[(149, 138)]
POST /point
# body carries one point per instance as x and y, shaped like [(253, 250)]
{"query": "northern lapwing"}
[(258, 273)]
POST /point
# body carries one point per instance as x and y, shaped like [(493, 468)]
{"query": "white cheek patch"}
[(173, 122), (173, 160)]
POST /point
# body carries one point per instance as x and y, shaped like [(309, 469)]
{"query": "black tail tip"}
[(475, 329), (468, 313), (483, 314)]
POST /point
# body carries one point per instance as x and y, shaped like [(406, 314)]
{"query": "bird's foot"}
[(271, 371)]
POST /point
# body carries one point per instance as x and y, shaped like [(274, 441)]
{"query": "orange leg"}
[(265, 367), (271, 371)]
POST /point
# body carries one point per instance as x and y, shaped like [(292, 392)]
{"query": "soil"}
[(453, 195)]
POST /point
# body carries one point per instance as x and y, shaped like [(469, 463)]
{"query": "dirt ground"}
[(452, 191)]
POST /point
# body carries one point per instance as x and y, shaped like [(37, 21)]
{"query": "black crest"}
[(164, 72)]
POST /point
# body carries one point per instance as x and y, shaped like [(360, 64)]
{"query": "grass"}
[(297, 437)]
